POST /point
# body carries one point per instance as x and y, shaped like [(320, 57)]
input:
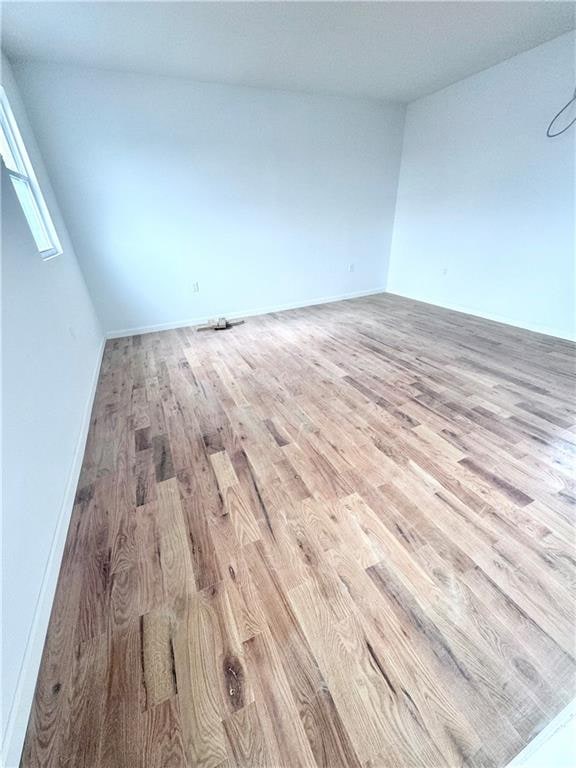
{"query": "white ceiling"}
[(385, 50)]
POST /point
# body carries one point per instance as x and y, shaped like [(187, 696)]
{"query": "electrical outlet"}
[(195, 287), (351, 267)]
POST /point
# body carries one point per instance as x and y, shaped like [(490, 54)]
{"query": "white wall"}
[(485, 211), (51, 344), (262, 197)]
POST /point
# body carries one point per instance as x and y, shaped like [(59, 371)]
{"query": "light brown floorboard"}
[(334, 536)]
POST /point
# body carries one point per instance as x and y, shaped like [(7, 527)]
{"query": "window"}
[(25, 183)]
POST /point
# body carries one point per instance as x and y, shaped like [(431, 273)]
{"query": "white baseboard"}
[(554, 746), (20, 711), (136, 331), (534, 327)]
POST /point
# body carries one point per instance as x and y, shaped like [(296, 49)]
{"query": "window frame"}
[(19, 168)]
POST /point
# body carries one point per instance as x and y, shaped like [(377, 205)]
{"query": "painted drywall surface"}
[(50, 346), (485, 211), (263, 198)]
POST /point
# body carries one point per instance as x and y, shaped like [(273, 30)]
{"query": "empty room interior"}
[(288, 384)]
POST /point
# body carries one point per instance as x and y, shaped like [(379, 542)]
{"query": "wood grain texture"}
[(339, 536)]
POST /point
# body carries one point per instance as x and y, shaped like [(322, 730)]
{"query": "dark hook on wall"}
[(550, 130)]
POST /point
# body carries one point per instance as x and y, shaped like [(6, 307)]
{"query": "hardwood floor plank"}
[(162, 737), (198, 676), (246, 739), (174, 548), (87, 702), (419, 676), (273, 689), (158, 666), (120, 732)]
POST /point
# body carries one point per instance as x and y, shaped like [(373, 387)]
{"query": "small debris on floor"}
[(220, 325)]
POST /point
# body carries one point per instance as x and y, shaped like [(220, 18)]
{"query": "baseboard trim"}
[(136, 331), (20, 711), (553, 746), (533, 327)]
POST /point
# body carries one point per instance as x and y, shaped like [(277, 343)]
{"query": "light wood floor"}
[(335, 536)]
